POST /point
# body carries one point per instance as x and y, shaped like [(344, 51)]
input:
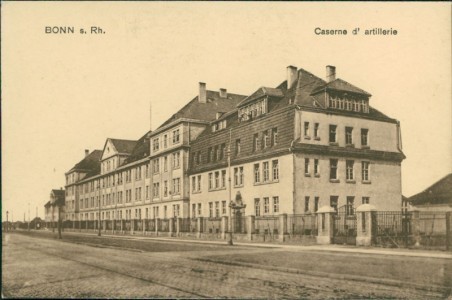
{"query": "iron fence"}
[(184, 225), (302, 224), (211, 225), (239, 224), (266, 225)]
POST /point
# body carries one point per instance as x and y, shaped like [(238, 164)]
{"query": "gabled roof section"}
[(141, 149), (341, 85), (206, 111), (262, 91), (123, 146), (60, 196), (438, 193), (89, 163)]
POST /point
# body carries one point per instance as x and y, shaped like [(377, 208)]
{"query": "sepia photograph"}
[(243, 150)]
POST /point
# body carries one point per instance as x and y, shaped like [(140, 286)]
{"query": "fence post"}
[(325, 225), (156, 226), (199, 220), (364, 224), (282, 226), (250, 223), (171, 229), (416, 228), (224, 226), (178, 223)]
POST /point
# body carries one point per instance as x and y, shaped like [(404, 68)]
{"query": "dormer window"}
[(344, 101), (219, 126), (253, 110)]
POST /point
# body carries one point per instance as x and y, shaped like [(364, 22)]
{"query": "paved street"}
[(38, 265)]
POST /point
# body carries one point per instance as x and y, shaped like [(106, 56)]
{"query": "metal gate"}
[(344, 225)]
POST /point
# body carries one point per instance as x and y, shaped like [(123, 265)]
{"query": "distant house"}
[(56, 202), (437, 197)]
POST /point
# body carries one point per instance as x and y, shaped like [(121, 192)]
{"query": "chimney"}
[(223, 93), (292, 76), (202, 98), (86, 152), (330, 73)]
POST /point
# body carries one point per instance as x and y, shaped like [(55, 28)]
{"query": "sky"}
[(64, 93)]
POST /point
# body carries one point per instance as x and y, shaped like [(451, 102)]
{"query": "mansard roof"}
[(89, 163), (341, 85), (262, 91), (141, 149), (206, 111), (438, 193)]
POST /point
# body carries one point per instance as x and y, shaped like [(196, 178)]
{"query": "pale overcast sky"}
[(62, 94)]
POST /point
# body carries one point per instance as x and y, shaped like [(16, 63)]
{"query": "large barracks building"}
[(306, 143)]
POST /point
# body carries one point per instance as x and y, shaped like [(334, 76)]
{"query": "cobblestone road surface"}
[(88, 266)]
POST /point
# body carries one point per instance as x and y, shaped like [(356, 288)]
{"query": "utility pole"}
[(59, 220), (36, 223), (28, 216), (230, 190), (7, 224)]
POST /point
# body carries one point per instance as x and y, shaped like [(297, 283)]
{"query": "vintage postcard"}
[(245, 150)]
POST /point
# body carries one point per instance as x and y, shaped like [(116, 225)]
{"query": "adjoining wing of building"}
[(306, 143), (435, 198)]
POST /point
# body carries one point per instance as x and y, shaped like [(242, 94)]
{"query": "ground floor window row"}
[(137, 213)]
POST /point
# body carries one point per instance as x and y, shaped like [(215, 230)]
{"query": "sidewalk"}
[(331, 248)]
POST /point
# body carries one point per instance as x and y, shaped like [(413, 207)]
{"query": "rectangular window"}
[(276, 204), (176, 186), (306, 204), (165, 141), (193, 184), (210, 209), (266, 205), (333, 202), (199, 183), (165, 212), (193, 210), (176, 136), (223, 178), (364, 137), (257, 207), (165, 164), (333, 169), (365, 170), (165, 188), (209, 155), (210, 181), (223, 207), (365, 200), (216, 155), (316, 167), (255, 142), (274, 136), (156, 190), (275, 169), (266, 171), (222, 151), (265, 141), (306, 166), (237, 147), (176, 160), (217, 179), (316, 204), (348, 135), (199, 209), (332, 138), (147, 192), (155, 144), (316, 130), (306, 129), (257, 173), (155, 166), (349, 169), (350, 205)]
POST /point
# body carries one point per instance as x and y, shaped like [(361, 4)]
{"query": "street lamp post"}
[(230, 191)]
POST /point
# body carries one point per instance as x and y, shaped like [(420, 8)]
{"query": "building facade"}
[(290, 149)]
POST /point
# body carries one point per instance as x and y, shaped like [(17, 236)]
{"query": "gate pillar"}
[(364, 230), (200, 229), (224, 227), (282, 226), (325, 224), (250, 223)]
